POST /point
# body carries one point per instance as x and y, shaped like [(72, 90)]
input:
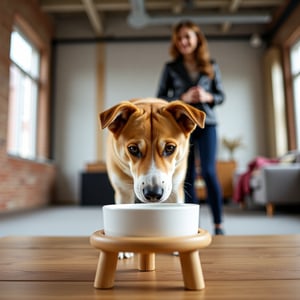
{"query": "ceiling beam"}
[(93, 16), (233, 7), (61, 6), (139, 17), (177, 6)]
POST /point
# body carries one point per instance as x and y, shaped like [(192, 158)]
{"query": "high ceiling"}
[(154, 18)]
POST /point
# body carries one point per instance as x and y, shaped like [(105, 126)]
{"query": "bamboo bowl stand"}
[(146, 247)]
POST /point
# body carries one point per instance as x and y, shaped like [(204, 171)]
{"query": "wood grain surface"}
[(234, 267)]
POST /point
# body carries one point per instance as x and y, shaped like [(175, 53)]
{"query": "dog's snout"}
[(153, 193)]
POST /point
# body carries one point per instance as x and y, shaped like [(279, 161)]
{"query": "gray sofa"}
[(276, 184)]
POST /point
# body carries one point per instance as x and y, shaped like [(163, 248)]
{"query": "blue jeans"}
[(203, 142)]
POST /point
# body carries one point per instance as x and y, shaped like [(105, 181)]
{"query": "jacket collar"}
[(184, 73)]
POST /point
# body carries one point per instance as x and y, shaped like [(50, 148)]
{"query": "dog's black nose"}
[(153, 193)]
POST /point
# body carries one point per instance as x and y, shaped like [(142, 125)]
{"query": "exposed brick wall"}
[(23, 183)]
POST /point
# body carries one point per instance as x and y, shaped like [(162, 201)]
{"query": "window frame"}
[(290, 106), (294, 77), (43, 134), (24, 77)]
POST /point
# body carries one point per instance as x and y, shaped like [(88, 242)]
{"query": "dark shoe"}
[(219, 231)]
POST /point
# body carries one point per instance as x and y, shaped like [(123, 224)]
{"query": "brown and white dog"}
[(147, 148)]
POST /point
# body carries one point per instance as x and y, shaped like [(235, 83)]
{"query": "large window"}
[(24, 95), (295, 70)]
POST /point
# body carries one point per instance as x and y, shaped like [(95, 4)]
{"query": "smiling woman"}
[(194, 78)]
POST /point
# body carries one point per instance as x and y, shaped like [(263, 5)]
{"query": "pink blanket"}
[(242, 187)]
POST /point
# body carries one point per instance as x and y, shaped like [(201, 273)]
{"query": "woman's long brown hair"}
[(202, 55)]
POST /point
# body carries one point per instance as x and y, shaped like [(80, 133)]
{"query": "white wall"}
[(75, 119), (242, 114), (133, 70)]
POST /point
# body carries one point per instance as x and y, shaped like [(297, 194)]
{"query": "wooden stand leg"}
[(192, 270), (146, 262), (189, 257), (105, 274)]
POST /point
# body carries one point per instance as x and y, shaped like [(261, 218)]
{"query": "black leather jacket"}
[(175, 81)]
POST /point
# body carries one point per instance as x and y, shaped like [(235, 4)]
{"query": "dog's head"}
[(151, 143)]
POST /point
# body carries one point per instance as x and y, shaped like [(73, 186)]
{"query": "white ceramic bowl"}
[(149, 220)]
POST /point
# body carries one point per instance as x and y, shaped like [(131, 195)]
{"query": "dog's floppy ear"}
[(117, 116), (186, 115)]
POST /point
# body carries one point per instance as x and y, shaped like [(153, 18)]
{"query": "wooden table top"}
[(234, 267)]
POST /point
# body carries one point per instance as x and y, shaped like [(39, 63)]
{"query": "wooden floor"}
[(234, 267)]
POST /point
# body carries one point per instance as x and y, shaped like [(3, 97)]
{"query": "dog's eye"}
[(169, 149), (134, 150)]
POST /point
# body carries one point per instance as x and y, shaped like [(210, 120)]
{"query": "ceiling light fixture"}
[(256, 40)]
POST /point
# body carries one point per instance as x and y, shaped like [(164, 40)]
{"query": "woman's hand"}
[(196, 94)]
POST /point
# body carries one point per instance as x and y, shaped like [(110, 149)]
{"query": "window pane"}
[(279, 108), (22, 114), (24, 54), (295, 58), (296, 88), (295, 68), (23, 98)]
